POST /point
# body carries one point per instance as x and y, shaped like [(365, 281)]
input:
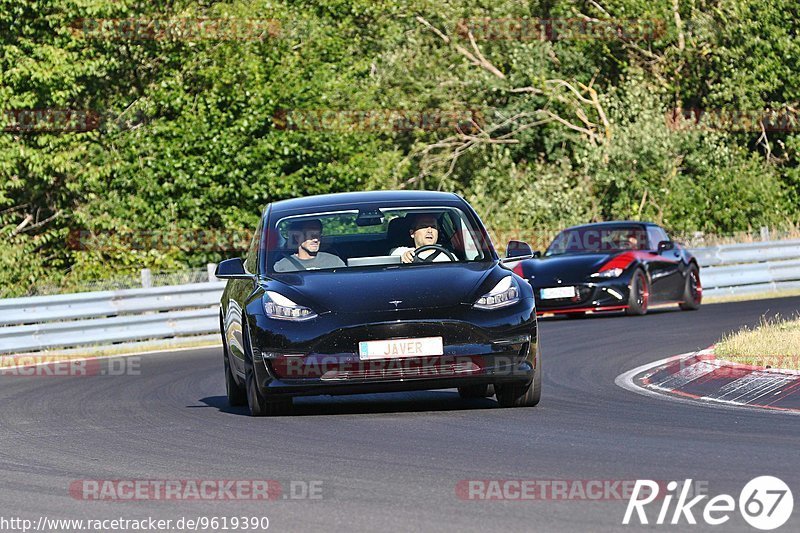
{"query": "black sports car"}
[(612, 266), (376, 291)]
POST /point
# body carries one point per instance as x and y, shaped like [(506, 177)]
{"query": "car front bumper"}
[(606, 295), (501, 349)]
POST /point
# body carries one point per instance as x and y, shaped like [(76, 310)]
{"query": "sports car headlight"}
[(504, 294), (280, 307), (610, 273)]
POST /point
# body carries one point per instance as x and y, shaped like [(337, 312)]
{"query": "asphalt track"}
[(392, 462)]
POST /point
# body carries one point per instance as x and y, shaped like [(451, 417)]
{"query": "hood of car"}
[(385, 289), (563, 269)]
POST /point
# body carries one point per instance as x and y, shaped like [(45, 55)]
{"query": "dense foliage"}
[(192, 131)]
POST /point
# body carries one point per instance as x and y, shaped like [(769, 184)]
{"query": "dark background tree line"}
[(189, 132)]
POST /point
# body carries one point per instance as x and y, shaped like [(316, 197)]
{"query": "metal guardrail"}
[(734, 269), (109, 330), (36, 309), (754, 252), (104, 317)]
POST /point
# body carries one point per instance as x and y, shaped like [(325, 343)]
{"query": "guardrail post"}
[(147, 278), (212, 267), (764, 233)]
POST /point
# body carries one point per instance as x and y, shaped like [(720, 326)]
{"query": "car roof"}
[(327, 201), (613, 223)]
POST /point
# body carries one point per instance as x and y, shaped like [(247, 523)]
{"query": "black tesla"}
[(612, 266), (376, 291)]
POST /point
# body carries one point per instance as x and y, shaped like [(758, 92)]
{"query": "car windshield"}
[(602, 239), (370, 237)]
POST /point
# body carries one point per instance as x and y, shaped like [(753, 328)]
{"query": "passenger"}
[(308, 233), (424, 230), (633, 242)]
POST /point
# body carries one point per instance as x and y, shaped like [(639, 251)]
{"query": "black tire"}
[(521, 395), (476, 391), (692, 290), (258, 404), (237, 395), (639, 297), (255, 400)]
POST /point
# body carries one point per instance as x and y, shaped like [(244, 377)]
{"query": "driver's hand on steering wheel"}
[(408, 256)]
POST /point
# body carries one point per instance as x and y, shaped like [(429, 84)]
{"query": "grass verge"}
[(748, 297), (102, 351), (774, 343)]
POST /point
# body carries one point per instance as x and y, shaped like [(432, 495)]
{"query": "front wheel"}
[(521, 395), (692, 291), (258, 403), (237, 395), (639, 296)]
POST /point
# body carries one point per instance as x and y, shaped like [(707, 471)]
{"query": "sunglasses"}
[(302, 236), (422, 225)]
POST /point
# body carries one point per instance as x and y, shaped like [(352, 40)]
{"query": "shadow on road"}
[(401, 402), (607, 314)]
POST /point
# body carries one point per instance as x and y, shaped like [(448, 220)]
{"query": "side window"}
[(655, 235), (251, 261), (447, 229), (462, 240)]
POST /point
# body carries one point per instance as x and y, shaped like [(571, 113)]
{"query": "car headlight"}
[(610, 273), (280, 307), (505, 293)]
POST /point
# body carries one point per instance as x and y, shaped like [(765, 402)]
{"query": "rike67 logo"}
[(765, 503)]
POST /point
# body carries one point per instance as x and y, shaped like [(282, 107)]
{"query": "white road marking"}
[(753, 386), (687, 375), (626, 381)]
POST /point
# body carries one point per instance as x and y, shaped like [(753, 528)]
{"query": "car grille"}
[(293, 369), (448, 369)]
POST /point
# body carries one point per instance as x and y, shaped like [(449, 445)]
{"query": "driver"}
[(424, 230), (633, 242), (308, 233)]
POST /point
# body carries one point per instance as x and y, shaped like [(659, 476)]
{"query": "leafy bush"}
[(190, 135)]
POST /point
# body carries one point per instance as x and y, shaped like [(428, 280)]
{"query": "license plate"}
[(557, 292), (394, 348)]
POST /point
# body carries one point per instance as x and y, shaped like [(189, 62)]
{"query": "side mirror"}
[(663, 246), (518, 249), (536, 253), (232, 269)]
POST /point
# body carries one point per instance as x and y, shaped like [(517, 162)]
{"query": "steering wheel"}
[(437, 250)]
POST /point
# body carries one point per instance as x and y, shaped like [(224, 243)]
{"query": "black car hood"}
[(365, 290), (571, 268)]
